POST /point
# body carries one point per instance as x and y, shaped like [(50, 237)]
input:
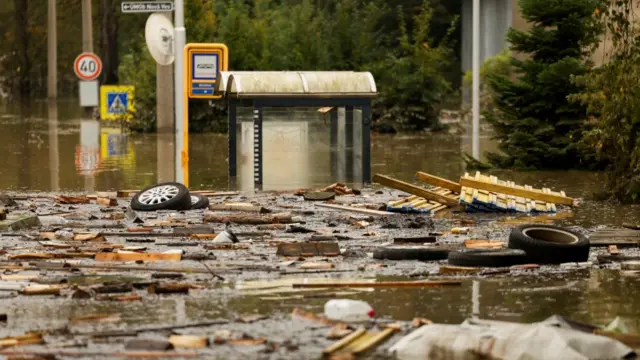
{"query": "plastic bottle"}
[(348, 310)]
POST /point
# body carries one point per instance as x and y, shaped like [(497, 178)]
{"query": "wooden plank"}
[(358, 210), (617, 237), (531, 194), (137, 256), (381, 284), (438, 181), (414, 190)]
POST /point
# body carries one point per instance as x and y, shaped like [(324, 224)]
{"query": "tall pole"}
[(52, 51), (87, 46), (181, 124), (476, 81), (87, 26)]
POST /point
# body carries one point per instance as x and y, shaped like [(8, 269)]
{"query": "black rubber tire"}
[(411, 253), (201, 203), (487, 257), (548, 244), (182, 200)]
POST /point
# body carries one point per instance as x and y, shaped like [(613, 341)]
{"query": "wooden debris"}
[(248, 207), (358, 342), (56, 245), (355, 209), (203, 236), (89, 237), (631, 226), (381, 284), (613, 250), (189, 341), (148, 344), (97, 318), (340, 189), (140, 229), (339, 331), (105, 201), (122, 298), (418, 322), (414, 190), (72, 199), (483, 244), (33, 289), (281, 218), (439, 182), (618, 237), (297, 312), (51, 354), (137, 257), (172, 288), (272, 227), (223, 246), (308, 249), (449, 270), (525, 267), (30, 338), (460, 230), (519, 191), (317, 266), (247, 341)]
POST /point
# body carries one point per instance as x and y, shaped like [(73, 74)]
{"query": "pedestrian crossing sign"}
[(116, 102)]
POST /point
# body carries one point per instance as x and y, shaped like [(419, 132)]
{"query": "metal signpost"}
[(146, 6), (88, 68)]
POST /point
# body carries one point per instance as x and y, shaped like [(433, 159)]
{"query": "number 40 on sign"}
[(87, 66)]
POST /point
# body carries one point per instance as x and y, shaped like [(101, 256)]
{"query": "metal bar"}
[(257, 147), (311, 102), (348, 128), (181, 103), (233, 166), (334, 141), (366, 144), (476, 81)]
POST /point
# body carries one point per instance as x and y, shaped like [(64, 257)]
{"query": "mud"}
[(230, 285)]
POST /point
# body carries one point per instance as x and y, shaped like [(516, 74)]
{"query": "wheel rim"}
[(159, 195), (194, 199)]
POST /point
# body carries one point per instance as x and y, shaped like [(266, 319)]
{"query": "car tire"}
[(199, 201), (411, 253), (164, 196), (487, 257), (548, 244)]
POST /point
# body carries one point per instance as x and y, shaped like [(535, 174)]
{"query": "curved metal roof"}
[(310, 84)]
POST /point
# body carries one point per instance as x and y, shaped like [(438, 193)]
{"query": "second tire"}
[(548, 244)]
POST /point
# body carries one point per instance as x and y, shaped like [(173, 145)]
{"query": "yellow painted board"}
[(533, 194)]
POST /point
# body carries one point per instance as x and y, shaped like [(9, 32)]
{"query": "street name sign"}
[(146, 6)]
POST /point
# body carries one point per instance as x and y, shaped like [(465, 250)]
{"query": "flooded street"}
[(51, 149)]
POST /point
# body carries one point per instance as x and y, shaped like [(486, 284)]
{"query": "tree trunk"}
[(21, 46), (109, 43)]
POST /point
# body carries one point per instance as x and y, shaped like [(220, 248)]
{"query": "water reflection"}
[(54, 149)]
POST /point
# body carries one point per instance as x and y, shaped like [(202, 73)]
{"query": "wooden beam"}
[(503, 189), (355, 209), (414, 190), (438, 181)]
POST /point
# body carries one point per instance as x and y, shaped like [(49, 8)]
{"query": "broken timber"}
[(516, 190), (414, 190), (281, 218), (439, 182), (354, 209), (358, 342), (617, 237)]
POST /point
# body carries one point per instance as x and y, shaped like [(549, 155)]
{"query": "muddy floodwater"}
[(51, 149)]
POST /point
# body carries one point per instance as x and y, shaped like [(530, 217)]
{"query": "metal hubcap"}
[(194, 199), (159, 194)]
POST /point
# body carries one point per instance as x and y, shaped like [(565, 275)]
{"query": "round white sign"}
[(87, 66)]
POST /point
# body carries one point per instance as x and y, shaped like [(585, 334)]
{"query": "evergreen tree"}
[(536, 124)]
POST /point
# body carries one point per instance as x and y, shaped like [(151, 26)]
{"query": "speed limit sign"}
[(87, 66)]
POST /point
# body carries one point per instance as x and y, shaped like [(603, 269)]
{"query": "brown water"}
[(50, 148)]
